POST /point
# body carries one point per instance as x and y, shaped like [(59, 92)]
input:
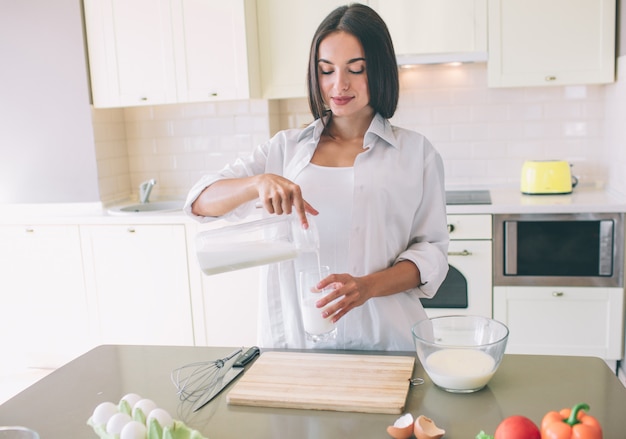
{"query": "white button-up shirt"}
[(398, 213)]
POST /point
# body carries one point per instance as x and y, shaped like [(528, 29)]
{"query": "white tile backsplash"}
[(484, 134)]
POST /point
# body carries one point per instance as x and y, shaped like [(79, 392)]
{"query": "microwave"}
[(570, 249)]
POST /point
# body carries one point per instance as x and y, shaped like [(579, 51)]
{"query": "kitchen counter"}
[(503, 201), (83, 213), (512, 201), (59, 405)]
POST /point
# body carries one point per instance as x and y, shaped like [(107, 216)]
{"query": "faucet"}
[(144, 190)]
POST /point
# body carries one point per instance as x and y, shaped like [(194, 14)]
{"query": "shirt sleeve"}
[(428, 247), (253, 164)]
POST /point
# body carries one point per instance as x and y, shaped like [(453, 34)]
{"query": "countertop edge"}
[(503, 201)]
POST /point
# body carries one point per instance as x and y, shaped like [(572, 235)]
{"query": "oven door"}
[(467, 287)]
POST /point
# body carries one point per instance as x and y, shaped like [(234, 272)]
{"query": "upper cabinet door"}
[(556, 42), (130, 52), (286, 30), (149, 52), (420, 27), (216, 49)]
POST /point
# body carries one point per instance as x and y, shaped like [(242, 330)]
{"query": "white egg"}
[(162, 416), (103, 413), (131, 399), (145, 405), (117, 422), (133, 430)]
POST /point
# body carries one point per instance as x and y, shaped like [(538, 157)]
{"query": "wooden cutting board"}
[(317, 381)]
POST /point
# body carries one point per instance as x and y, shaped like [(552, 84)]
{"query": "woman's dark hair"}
[(380, 59)]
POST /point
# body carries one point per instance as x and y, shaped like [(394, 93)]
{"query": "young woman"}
[(376, 191)]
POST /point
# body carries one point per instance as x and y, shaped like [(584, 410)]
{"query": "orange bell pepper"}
[(570, 424)]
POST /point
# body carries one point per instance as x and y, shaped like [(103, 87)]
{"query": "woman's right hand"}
[(279, 195)]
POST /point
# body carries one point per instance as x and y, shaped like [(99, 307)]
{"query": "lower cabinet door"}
[(231, 302), (43, 308), (138, 281), (562, 321)]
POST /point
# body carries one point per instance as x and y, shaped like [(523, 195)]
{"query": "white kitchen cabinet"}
[(231, 306), (225, 305), (131, 58), (562, 321), (215, 45), (286, 30), (145, 52), (137, 277), (534, 42), (43, 308), (435, 27)]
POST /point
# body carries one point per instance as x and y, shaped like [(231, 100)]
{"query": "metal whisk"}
[(195, 379)]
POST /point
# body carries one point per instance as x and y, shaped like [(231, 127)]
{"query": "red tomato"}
[(517, 427)]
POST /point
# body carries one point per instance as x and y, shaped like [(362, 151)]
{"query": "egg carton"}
[(154, 430)]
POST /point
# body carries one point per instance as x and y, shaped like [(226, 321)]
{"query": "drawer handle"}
[(131, 230), (558, 294), (29, 230), (550, 78), (450, 228), (462, 253)]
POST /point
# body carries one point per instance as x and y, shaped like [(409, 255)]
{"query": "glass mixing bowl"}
[(460, 353)]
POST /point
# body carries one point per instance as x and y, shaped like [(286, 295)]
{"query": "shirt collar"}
[(380, 127), (312, 132)]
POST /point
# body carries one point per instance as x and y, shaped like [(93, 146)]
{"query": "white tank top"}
[(329, 190)]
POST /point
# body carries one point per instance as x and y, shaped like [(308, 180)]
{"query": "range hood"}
[(442, 58)]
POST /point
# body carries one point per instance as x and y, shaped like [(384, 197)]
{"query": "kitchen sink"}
[(150, 207)]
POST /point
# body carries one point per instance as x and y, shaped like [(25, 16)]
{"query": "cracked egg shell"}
[(425, 428), (402, 428)]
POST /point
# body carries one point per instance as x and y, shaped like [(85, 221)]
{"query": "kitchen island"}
[(59, 405)]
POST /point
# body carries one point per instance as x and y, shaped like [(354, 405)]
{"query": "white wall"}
[(483, 134), (47, 150)]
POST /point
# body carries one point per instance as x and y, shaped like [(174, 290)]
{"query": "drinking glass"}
[(16, 432), (317, 328)]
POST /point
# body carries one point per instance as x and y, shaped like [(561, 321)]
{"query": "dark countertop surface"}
[(59, 405)]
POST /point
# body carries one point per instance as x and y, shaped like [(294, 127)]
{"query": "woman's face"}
[(342, 75)]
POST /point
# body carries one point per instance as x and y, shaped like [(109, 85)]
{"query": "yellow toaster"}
[(541, 177)]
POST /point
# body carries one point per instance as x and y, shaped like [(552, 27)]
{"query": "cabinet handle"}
[(131, 230), (558, 294), (29, 230), (462, 253), (213, 95), (143, 98), (550, 78)]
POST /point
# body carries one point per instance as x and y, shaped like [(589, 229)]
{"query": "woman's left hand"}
[(349, 292)]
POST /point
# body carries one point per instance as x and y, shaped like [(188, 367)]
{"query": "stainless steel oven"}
[(573, 249)]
